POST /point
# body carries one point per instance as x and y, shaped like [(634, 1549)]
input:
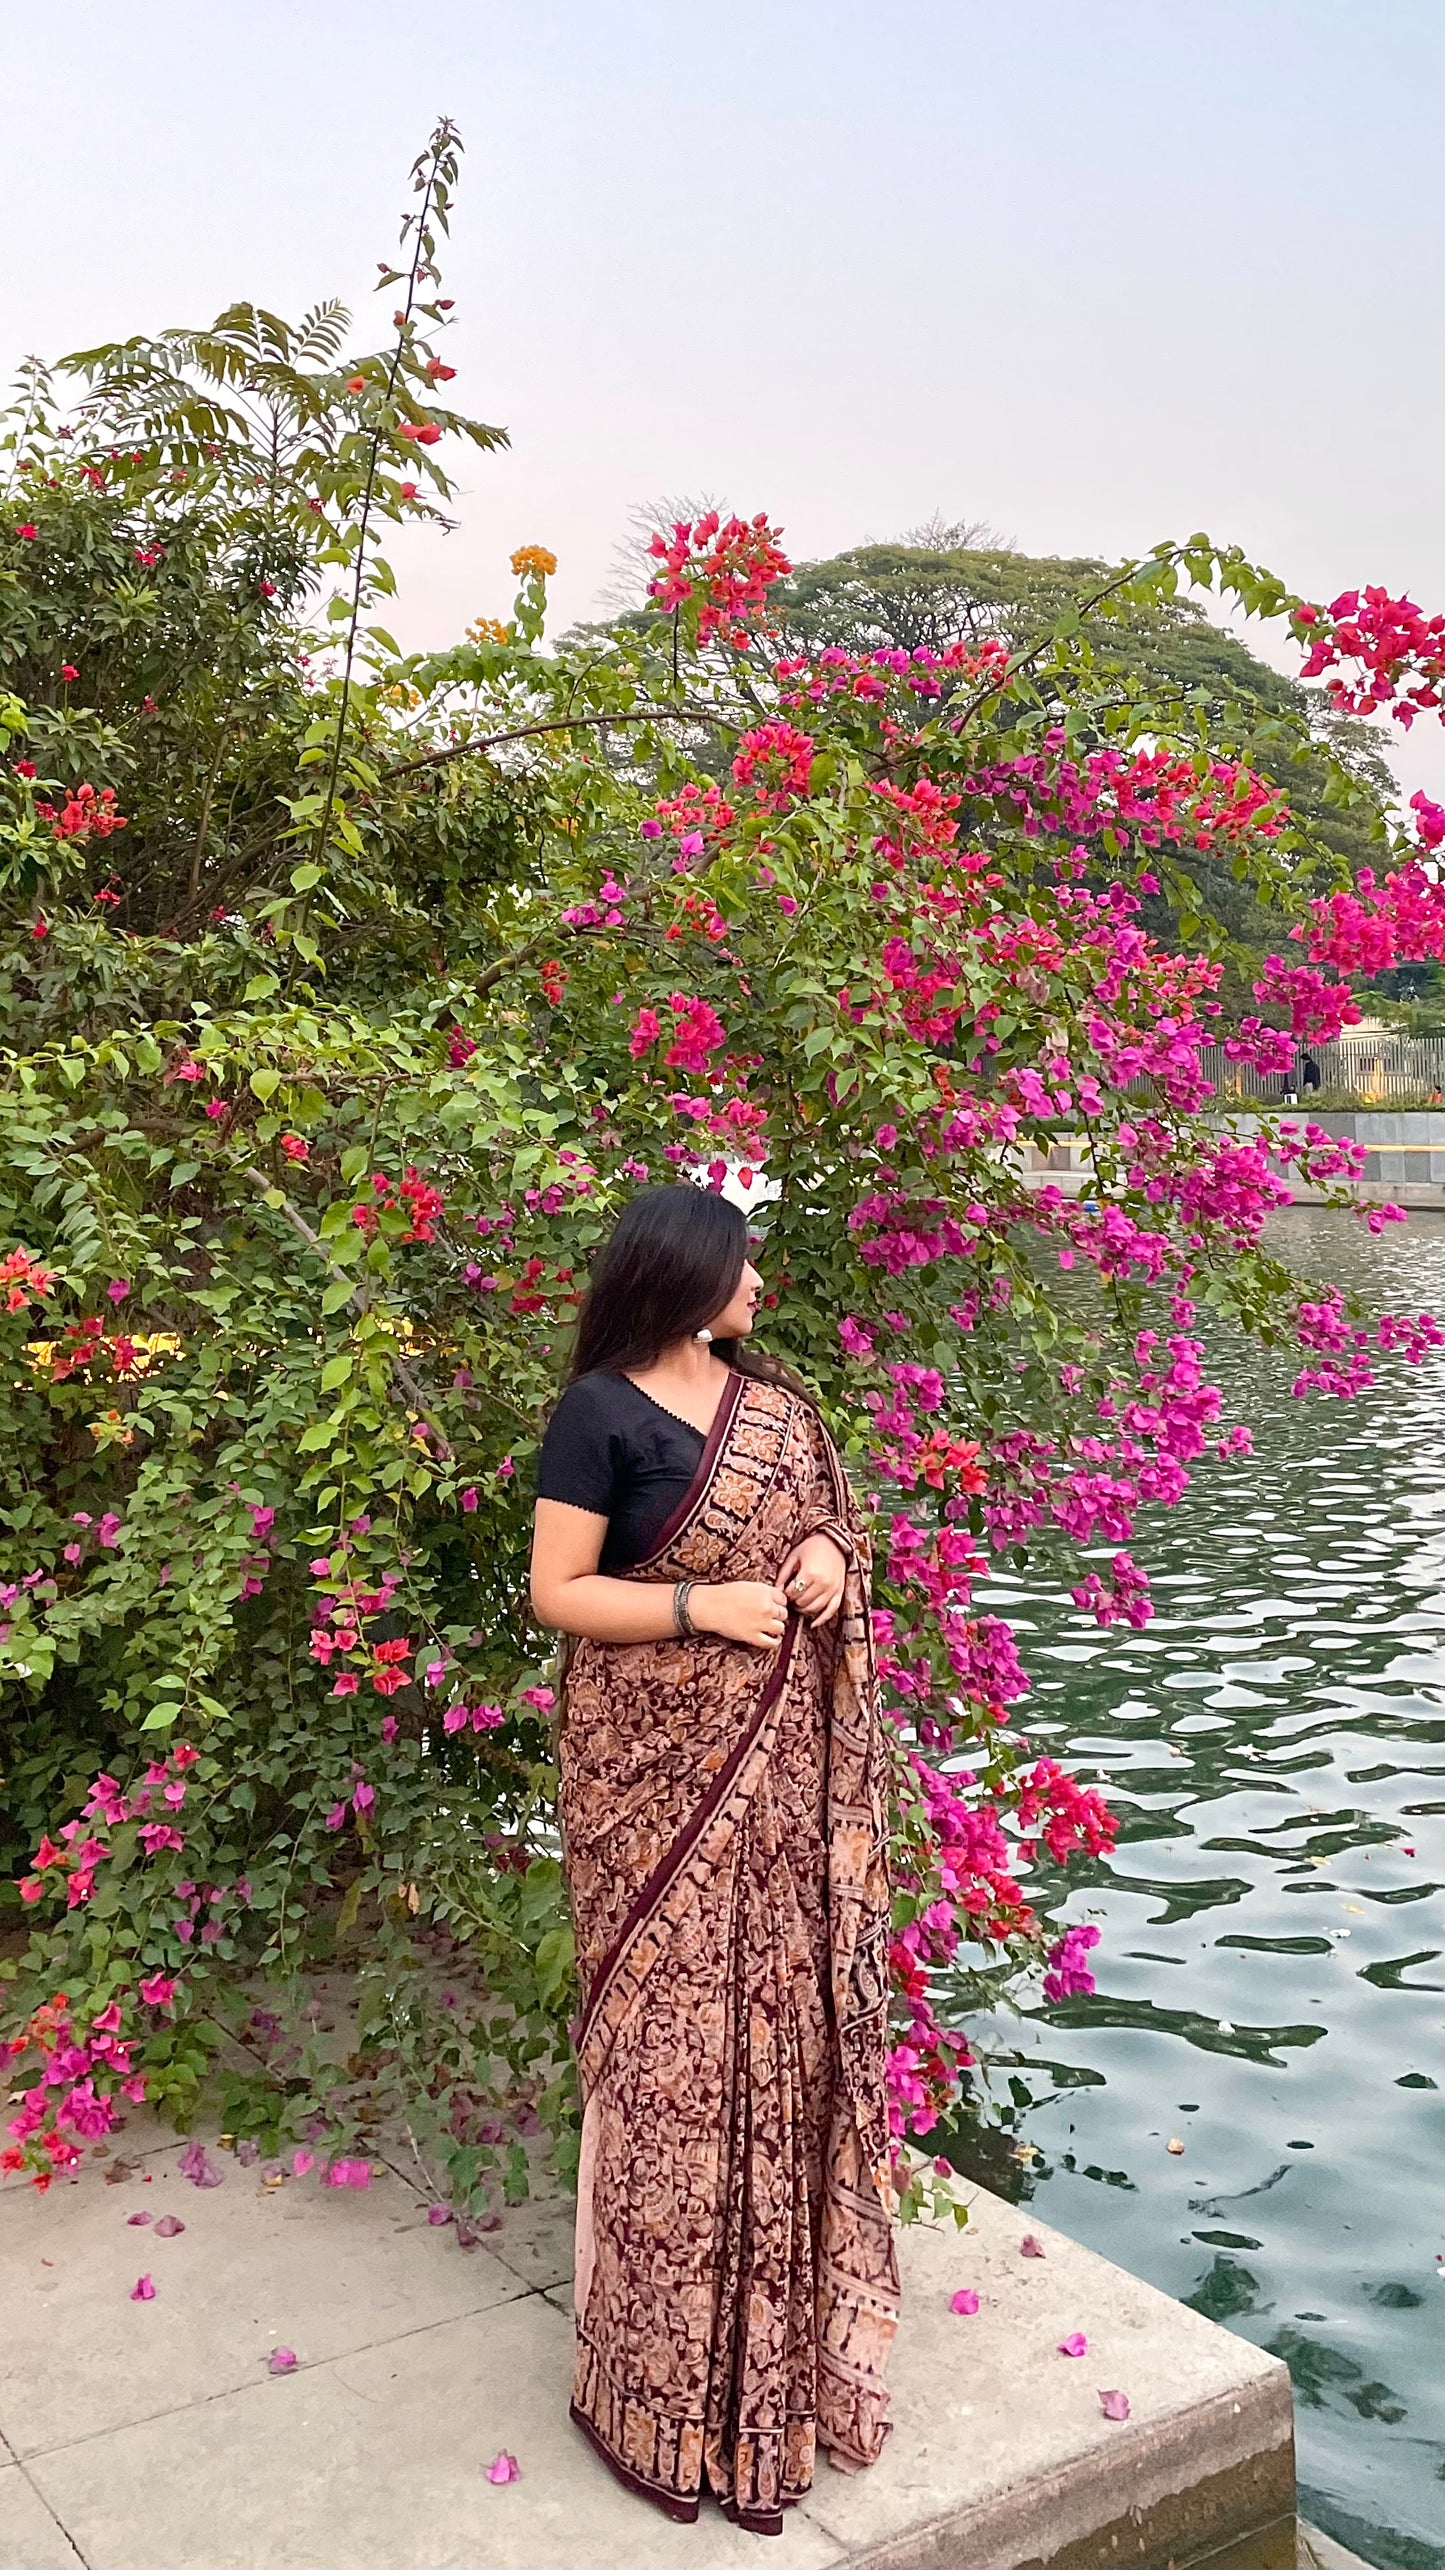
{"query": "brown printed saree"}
[(722, 1810)]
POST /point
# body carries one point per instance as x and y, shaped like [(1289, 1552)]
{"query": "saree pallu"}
[(723, 1822)]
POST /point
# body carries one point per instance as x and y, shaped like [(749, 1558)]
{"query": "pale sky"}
[(1099, 271)]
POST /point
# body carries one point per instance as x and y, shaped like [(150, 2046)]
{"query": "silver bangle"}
[(681, 1620)]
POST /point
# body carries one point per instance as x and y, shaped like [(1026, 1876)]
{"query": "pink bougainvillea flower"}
[(469, 1501), (1114, 2404), (1030, 2246), (142, 2290), (68, 671), (301, 2161), (504, 2469), (346, 1684), (347, 2173), (169, 2226), (118, 1288), (1076, 2344), (282, 2360), (964, 2302), (158, 1989), (336, 1817)]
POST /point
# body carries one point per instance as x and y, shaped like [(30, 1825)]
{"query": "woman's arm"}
[(569, 1593)]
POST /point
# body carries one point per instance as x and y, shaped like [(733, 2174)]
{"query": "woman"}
[(722, 1814)]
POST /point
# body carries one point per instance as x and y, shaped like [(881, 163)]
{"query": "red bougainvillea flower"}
[(85, 814), (68, 670), (356, 383), (419, 432), (27, 534), (294, 1148)]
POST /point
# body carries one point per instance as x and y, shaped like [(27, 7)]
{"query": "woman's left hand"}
[(812, 1578)]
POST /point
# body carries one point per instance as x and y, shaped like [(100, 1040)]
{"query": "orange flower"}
[(534, 557)]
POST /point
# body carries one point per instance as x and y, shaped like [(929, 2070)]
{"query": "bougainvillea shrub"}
[(346, 995)]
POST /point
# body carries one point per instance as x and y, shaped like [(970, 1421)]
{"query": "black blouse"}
[(612, 1449)]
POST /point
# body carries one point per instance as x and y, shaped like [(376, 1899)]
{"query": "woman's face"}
[(736, 1317)]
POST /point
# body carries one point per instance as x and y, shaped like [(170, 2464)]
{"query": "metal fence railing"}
[(1375, 1070)]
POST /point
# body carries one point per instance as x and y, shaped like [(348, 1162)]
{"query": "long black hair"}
[(672, 1264)]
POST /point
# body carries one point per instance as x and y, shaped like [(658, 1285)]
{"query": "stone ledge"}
[(152, 2439)]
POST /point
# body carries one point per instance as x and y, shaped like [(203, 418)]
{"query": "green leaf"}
[(336, 1370), (264, 1084), (305, 878), (161, 1717), (336, 1297)]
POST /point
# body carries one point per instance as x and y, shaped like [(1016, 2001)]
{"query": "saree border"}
[(682, 2511), (707, 1464), (668, 1867)]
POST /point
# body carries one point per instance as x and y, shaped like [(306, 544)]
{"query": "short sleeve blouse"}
[(613, 1450)]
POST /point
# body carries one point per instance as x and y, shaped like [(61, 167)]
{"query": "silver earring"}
[(703, 1337)]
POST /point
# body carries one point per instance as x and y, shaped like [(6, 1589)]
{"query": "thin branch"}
[(323, 826), (1026, 659), (565, 723)]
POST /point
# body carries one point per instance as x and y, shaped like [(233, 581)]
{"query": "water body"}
[(1271, 1918)]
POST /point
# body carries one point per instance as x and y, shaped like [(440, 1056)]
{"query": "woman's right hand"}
[(754, 1611)]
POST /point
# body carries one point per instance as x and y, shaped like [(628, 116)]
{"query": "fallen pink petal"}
[(135, 2219), (1076, 2344), (1030, 2246), (169, 2226), (142, 2290), (1114, 2404), (301, 2161), (194, 2164), (282, 2360), (505, 2468), (965, 2301), (436, 2214)]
